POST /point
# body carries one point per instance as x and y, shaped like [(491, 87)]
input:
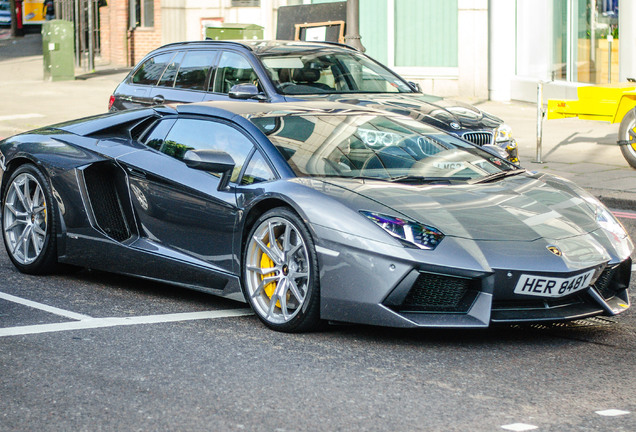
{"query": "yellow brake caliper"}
[(266, 262)]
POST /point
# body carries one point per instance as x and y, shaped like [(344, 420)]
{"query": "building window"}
[(579, 44), (142, 13), (412, 36), (246, 3)]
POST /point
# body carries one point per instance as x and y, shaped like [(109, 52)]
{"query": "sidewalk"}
[(580, 150)]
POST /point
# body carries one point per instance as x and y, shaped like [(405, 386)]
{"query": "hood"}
[(442, 113), (520, 208)]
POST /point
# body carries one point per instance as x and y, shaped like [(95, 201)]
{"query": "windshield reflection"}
[(375, 147)]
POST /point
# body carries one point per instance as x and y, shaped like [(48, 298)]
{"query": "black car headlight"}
[(413, 233)]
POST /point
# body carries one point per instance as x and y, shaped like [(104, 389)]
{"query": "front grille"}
[(479, 138), (105, 202), (437, 292), (603, 284)]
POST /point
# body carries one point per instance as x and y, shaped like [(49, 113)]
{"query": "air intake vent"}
[(104, 199), (479, 138), (604, 283), (432, 292)]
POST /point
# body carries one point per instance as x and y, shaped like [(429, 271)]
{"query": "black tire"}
[(290, 301), (627, 133), (29, 221)]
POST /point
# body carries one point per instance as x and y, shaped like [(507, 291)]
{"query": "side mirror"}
[(246, 91), (415, 86), (214, 161)]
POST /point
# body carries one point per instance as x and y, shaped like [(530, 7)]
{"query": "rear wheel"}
[(627, 134), (280, 271), (28, 221)]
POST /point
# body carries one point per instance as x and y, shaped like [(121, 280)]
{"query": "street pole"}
[(352, 38), (91, 36)]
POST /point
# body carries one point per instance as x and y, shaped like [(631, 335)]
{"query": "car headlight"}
[(503, 133), (609, 223), (413, 233)]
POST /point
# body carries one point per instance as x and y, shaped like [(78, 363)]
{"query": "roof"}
[(263, 46)]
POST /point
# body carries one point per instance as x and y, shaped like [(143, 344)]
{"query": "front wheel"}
[(280, 272), (28, 221), (627, 134)]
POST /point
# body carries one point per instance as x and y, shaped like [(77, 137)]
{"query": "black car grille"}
[(105, 202), (603, 284), (432, 292), (479, 138)]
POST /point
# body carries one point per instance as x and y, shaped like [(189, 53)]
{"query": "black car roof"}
[(260, 46)]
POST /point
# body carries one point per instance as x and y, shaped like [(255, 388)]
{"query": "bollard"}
[(540, 115)]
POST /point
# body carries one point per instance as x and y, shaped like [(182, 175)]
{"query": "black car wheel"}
[(280, 271), (28, 221), (627, 133)]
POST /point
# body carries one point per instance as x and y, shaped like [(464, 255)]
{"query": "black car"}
[(289, 71)]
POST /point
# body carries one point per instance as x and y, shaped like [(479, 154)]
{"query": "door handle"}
[(159, 99), (137, 173)]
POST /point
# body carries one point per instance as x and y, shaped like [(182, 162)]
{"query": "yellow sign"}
[(33, 12)]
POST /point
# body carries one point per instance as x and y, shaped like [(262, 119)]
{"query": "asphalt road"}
[(174, 360)]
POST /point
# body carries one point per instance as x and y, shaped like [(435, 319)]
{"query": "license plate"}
[(542, 286)]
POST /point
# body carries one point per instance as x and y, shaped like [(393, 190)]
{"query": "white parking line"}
[(519, 427), (20, 116), (92, 323), (612, 413), (46, 308)]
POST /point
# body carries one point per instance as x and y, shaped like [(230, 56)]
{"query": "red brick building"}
[(125, 40)]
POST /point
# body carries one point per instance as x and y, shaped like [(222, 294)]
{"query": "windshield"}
[(4, 6), (324, 71), (377, 147)]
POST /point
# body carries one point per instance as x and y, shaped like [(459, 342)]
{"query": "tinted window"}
[(194, 134), (194, 70), (154, 139), (233, 69), (167, 78), (152, 69), (257, 170)]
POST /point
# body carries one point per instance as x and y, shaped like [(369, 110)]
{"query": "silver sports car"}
[(311, 212)]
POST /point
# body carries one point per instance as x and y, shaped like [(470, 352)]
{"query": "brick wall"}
[(120, 47)]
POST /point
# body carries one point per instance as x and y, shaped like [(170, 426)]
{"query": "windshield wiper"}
[(425, 180), (498, 175)]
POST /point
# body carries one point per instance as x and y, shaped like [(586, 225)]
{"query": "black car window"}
[(154, 138), (194, 70), (167, 78), (233, 69), (257, 170), (195, 134), (152, 69)]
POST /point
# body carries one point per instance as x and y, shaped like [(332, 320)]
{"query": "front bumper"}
[(364, 287)]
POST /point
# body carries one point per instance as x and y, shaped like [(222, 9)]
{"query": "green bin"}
[(58, 50), (234, 32)]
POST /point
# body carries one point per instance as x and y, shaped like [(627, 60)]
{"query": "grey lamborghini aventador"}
[(310, 212)]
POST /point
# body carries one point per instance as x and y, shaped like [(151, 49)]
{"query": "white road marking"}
[(122, 321), (519, 427), (20, 116), (612, 413), (46, 308), (634, 267)]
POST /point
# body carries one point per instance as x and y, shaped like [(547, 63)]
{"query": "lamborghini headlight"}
[(608, 222), (413, 233)]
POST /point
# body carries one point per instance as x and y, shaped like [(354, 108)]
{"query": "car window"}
[(257, 170), (152, 69), (155, 137), (374, 146), (327, 71), (194, 70), (195, 134), (233, 69), (167, 78)]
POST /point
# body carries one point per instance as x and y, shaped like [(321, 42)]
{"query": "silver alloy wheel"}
[(277, 270), (630, 136), (24, 219)]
